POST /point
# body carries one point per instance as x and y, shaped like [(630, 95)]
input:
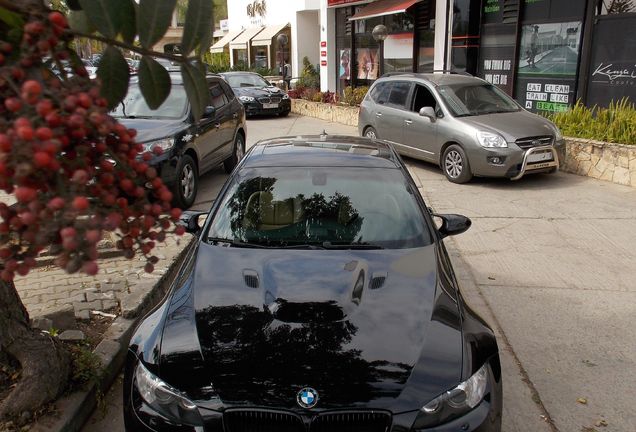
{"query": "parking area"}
[(549, 262)]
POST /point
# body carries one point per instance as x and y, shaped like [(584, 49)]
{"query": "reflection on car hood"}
[(151, 129), (364, 328), (258, 92), (512, 126)]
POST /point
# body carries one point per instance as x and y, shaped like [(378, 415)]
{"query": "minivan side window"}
[(380, 93), (399, 94), (422, 97)]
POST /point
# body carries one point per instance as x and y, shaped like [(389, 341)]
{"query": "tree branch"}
[(139, 50)]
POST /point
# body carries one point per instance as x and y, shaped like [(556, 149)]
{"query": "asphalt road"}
[(549, 262)]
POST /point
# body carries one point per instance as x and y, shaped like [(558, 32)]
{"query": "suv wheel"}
[(185, 190), (455, 165), (237, 154), (370, 133)]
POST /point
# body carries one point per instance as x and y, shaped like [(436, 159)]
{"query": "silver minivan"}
[(466, 125)]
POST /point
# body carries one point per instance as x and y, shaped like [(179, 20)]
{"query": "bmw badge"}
[(307, 398)]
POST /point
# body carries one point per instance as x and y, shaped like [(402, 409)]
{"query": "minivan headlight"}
[(455, 402), (165, 144), (164, 399), (491, 140)]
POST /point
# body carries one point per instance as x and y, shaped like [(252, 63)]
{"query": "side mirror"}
[(453, 224), (428, 112), (190, 220), (209, 111)]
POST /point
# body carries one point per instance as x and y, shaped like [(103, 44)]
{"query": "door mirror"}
[(209, 111), (190, 220), (453, 224), (428, 112)]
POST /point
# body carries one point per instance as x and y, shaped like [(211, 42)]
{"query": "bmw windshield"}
[(134, 105), (246, 80), (476, 99), (321, 207)]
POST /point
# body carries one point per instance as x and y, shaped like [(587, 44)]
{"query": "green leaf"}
[(196, 88), (78, 21), (153, 20), (11, 19), (114, 74), (154, 81), (73, 5), (104, 15), (198, 25), (128, 21)]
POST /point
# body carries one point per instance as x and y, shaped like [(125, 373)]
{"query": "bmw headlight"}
[(165, 144), (246, 99), (455, 402), (165, 399), (491, 140), (285, 96)]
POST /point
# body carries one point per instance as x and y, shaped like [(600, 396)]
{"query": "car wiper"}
[(312, 246), (369, 246), (236, 243)]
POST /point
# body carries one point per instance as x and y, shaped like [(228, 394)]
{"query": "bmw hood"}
[(512, 126), (151, 129), (258, 92), (363, 328)]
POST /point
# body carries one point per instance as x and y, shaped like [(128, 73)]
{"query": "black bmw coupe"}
[(259, 97), (319, 297)]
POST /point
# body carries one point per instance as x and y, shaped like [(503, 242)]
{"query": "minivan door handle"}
[(378, 114), (217, 125), (408, 122)]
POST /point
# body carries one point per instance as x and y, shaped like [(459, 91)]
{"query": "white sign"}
[(528, 104), (561, 98), (536, 96), (534, 87), (225, 25), (399, 46), (556, 88)]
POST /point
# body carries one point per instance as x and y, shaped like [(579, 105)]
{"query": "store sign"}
[(613, 69), (225, 25), (323, 63), (332, 3), (323, 53), (399, 46), (496, 55)]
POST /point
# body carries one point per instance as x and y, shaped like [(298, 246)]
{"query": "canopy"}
[(244, 38), (220, 45), (383, 7), (265, 37)]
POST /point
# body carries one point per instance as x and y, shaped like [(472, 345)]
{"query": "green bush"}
[(616, 124), (354, 96), (309, 77)]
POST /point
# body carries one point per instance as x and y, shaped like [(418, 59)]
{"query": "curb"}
[(77, 407)]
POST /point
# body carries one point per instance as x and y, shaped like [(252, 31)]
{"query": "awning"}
[(245, 37), (220, 45), (383, 7), (265, 37)]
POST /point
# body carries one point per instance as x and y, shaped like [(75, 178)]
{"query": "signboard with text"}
[(496, 55)]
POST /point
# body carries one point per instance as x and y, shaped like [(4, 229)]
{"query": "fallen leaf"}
[(582, 401)]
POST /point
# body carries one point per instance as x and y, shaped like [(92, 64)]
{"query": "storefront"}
[(374, 38)]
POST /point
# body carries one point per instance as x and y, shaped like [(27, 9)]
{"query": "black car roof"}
[(176, 77), (322, 150)]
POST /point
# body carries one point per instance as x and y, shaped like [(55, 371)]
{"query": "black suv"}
[(190, 148)]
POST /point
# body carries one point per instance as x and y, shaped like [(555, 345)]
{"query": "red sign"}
[(332, 3), (323, 53), (323, 63), (323, 44)]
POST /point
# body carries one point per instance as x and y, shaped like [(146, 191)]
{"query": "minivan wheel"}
[(455, 165), (237, 154), (185, 189), (370, 133)]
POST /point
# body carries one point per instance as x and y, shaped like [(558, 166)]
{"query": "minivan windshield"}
[(134, 105), (246, 80), (470, 99), (323, 207)]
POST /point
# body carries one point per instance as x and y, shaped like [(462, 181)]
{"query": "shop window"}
[(343, 49), (260, 57), (240, 57)]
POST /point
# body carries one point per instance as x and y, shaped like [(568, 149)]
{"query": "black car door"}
[(231, 119), (210, 137)]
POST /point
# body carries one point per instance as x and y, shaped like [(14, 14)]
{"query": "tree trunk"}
[(44, 360)]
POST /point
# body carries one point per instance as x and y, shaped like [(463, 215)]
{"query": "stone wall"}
[(333, 113), (604, 161)]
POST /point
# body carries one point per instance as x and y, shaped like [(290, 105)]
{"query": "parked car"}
[(190, 148), (257, 94), (464, 124), (319, 296)]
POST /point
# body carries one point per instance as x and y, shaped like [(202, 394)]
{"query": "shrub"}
[(354, 96), (316, 97), (309, 77), (616, 124)]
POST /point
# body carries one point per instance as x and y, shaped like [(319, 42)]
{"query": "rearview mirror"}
[(428, 112), (190, 220), (453, 224), (209, 111)]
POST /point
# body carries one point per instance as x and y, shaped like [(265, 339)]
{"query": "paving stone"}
[(109, 304), (62, 317), (72, 336), (83, 314), (42, 323)]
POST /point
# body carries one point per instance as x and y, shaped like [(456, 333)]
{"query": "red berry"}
[(175, 213), (149, 268), (57, 19), (41, 159), (25, 132), (166, 195), (56, 203), (53, 119), (80, 203), (80, 176), (90, 268), (44, 107), (157, 150), (179, 230), (44, 133), (84, 100), (25, 194), (32, 87), (68, 232), (5, 143), (13, 104)]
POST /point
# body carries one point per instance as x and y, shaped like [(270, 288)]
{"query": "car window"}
[(134, 105), (246, 80), (228, 91), (422, 97), (399, 94), (380, 93), (217, 96), (285, 206), (469, 99)]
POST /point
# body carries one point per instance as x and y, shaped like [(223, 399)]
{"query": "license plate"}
[(270, 106), (540, 157)]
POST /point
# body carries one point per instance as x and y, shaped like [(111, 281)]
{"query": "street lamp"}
[(380, 33), (282, 40)]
